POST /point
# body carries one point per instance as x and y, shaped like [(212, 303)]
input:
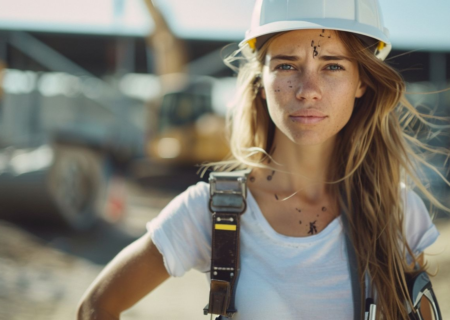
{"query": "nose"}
[(309, 88)]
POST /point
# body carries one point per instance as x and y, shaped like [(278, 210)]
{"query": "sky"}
[(413, 24), (119, 17)]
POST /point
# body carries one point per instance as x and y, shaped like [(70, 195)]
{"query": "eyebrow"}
[(296, 58), (329, 58)]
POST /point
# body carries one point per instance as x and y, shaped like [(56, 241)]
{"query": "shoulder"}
[(196, 194), (200, 189), (415, 210), (420, 232), (190, 204)]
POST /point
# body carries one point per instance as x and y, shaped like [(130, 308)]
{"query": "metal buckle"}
[(244, 202), (239, 177), (240, 180)]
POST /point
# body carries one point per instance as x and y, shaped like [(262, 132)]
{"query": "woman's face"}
[(310, 85)]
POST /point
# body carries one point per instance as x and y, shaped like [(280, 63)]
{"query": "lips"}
[(308, 116), (308, 113)]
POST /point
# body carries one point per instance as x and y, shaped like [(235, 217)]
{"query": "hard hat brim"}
[(265, 32)]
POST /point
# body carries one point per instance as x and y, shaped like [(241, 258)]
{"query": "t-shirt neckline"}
[(334, 227)]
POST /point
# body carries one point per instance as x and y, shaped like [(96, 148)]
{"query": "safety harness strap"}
[(419, 286), (353, 266), (420, 289), (228, 194)]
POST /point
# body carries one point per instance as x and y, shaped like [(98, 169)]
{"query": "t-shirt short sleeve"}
[(182, 231), (419, 229)]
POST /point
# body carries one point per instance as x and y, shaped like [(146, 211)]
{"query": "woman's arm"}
[(132, 274)]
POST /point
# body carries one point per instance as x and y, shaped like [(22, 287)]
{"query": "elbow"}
[(84, 311), (88, 310)]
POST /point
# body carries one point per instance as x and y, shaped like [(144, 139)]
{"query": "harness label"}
[(227, 227)]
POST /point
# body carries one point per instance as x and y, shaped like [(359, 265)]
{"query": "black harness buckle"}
[(420, 287)]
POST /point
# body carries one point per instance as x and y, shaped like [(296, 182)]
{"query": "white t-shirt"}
[(281, 277)]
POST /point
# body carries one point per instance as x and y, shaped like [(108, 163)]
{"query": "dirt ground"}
[(39, 282)]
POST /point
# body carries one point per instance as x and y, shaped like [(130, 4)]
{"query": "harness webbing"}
[(228, 194), (353, 268)]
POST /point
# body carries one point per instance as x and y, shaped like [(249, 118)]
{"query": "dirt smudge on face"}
[(315, 52)]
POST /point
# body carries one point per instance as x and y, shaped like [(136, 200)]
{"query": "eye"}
[(284, 66), (335, 67)]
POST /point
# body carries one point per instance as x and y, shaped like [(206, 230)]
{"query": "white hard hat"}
[(362, 17)]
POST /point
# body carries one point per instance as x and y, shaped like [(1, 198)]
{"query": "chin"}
[(306, 138), (311, 138)]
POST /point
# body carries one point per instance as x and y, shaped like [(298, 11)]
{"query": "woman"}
[(322, 122)]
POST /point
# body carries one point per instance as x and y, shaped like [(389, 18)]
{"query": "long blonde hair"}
[(376, 152)]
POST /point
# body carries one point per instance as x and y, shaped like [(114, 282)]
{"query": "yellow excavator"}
[(184, 129)]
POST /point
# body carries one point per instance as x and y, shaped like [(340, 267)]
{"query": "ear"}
[(360, 90)]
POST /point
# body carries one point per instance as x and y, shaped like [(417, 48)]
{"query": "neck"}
[(302, 169)]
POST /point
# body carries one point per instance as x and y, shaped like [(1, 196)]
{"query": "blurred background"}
[(106, 109)]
